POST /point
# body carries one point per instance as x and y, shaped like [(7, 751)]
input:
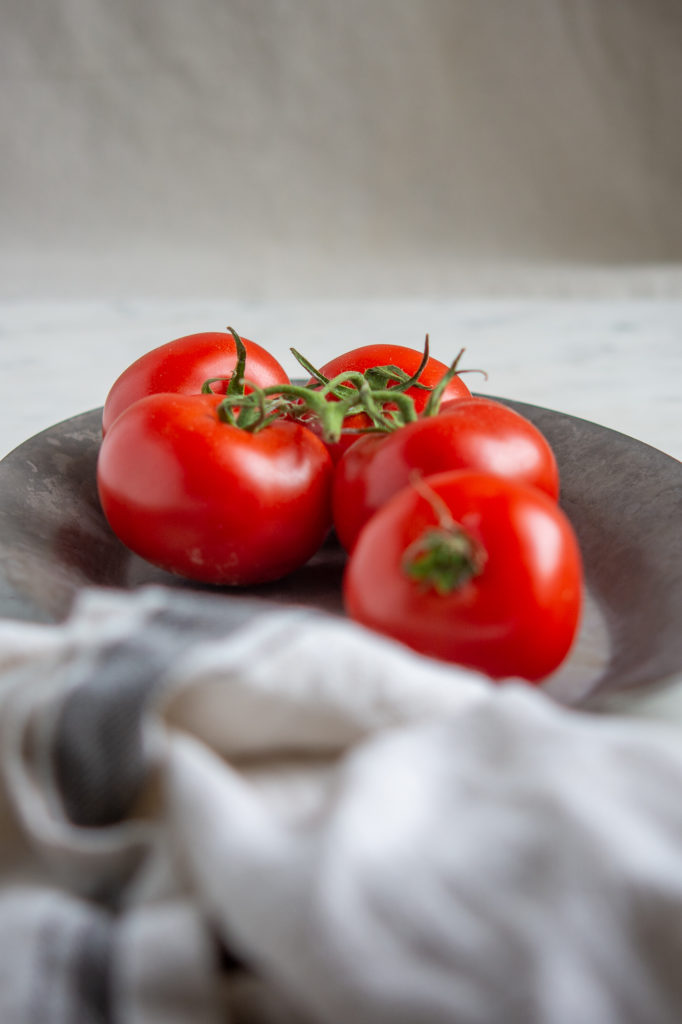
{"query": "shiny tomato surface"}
[(181, 366), (473, 433), (209, 501), (516, 615)]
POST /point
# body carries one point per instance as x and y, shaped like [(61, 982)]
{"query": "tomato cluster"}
[(215, 466)]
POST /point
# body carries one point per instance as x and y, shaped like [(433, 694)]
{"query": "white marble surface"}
[(617, 362)]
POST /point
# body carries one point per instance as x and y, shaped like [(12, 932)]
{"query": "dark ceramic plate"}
[(623, 497)]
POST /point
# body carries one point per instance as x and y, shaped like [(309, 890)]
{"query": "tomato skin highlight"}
[(181, 366), (209, 501), (473, 433), (408, 359), (517, 618)]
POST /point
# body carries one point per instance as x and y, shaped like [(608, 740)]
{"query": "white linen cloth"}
[(215, 811)]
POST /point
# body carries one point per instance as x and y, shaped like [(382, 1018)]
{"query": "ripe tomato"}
[(473, 569), (407, 359), (183, 365), (473, 433), (211, 501)]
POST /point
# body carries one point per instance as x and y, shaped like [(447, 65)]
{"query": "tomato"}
[(211, 501), (473, 433), (407, 359), (473, 569), (183, 365)]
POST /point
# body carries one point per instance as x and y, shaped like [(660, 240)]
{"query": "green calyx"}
[(443, 559)]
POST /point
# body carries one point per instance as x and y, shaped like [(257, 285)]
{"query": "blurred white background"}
[(505, 175), (262, 149)]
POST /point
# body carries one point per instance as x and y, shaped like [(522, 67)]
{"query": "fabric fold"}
[(213, 810)]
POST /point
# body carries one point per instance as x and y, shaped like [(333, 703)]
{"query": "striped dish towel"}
[(215, 810)]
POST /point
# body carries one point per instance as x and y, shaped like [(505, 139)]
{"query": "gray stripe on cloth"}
[(98, 754), (69, 957), (92, 973)]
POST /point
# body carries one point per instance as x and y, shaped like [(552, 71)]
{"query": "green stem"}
[(443, 557), (236, 378), (377, 376), (308, 366), (206, 388), (225, 413), (329, 414), (434, 400), (342, 396), (373, 401), (433, 403), (236, 385)]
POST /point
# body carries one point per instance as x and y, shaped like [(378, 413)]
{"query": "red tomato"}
[(210, 501), (474, 433), (183, 365), (408, 360), (501, 576)]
